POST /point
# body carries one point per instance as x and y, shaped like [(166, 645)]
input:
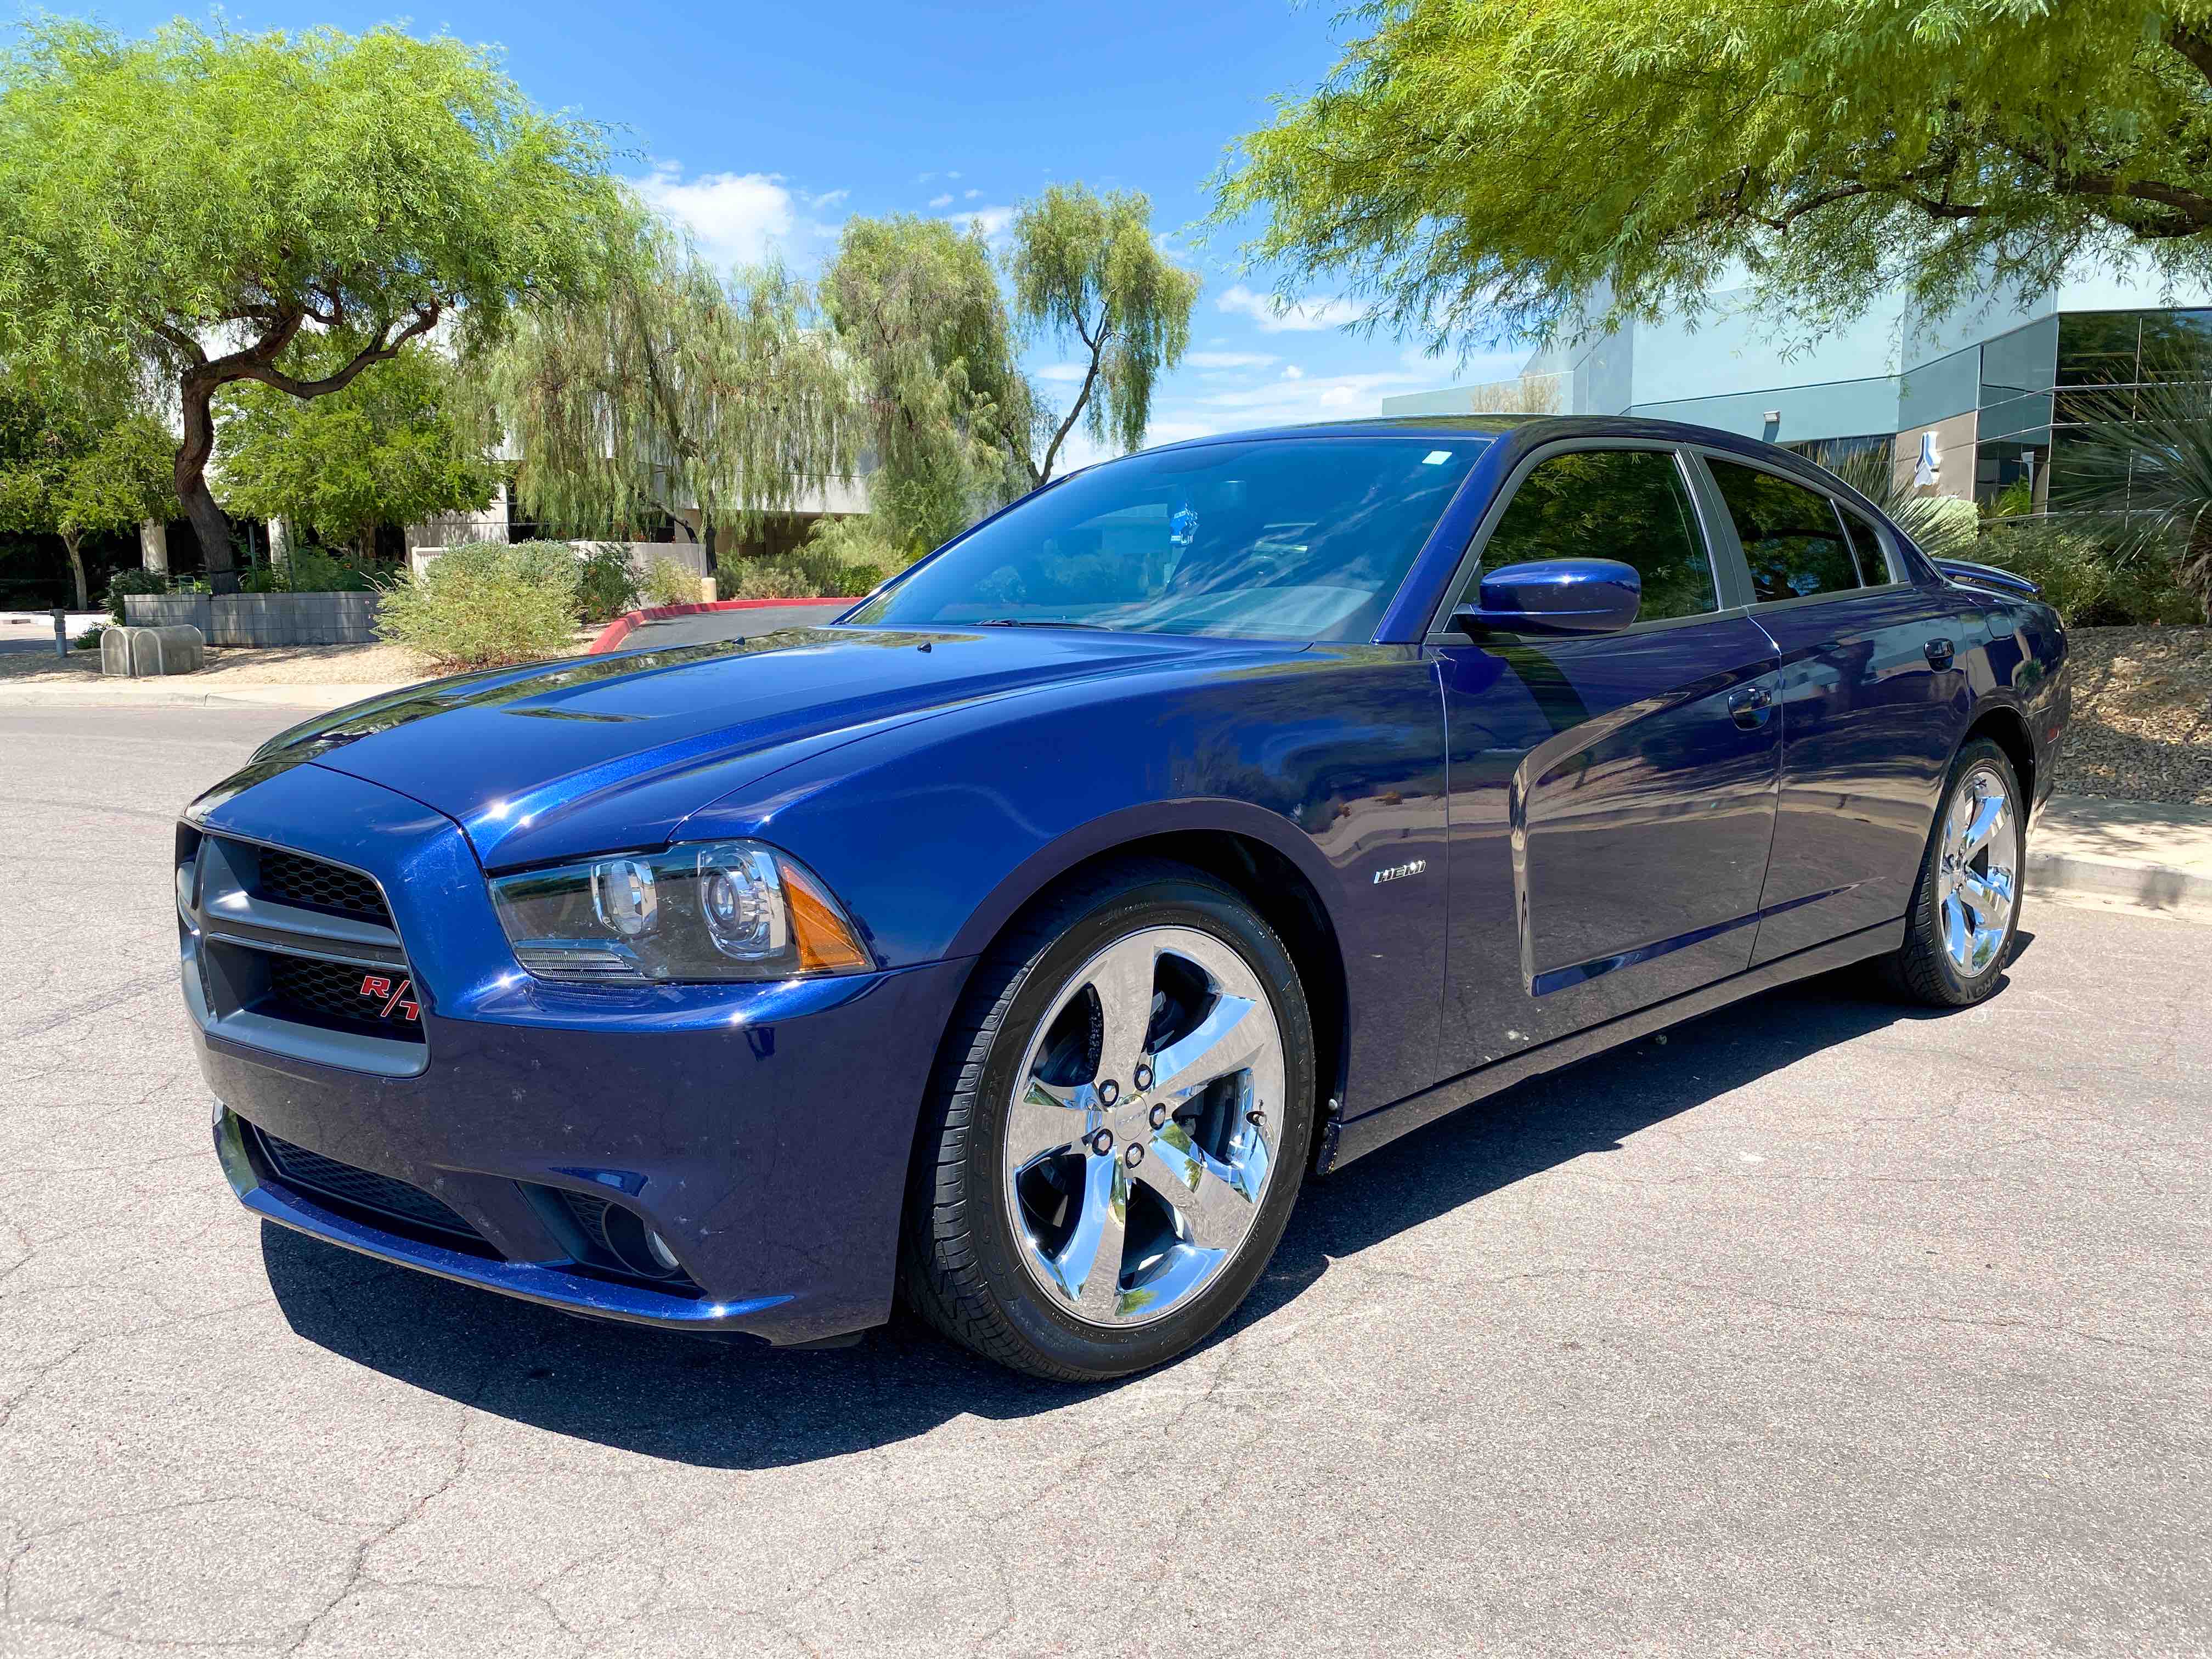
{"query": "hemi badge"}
[(1399, 872)]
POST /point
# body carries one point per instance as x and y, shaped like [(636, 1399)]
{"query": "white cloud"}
[(944, 200), (1229, 358), (739, 218), (829, 198), (1064, 374), (1292, 372), (994, 219), (1299, 316), (971, 195)]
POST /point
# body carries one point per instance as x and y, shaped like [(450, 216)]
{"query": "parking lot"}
[(1817, 1325)]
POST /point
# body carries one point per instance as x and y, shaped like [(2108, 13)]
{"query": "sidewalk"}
[(2133, 853), (183, 694)]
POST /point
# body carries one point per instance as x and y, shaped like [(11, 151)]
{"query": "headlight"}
[(725, 909)]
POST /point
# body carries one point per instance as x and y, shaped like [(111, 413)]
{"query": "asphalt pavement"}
[(1819, 1325)]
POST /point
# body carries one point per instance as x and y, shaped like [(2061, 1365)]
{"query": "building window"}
[(1836, 453)]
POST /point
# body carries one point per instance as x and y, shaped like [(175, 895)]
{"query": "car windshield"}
[(1285, 539)]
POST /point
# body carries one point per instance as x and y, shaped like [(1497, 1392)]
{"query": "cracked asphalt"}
[(1821, 1326)]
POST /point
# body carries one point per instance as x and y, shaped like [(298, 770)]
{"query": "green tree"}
[(1085, 270), (943, 402), (1476, 168), (384, 450), (675, 391), (192, 201), (70, 470)]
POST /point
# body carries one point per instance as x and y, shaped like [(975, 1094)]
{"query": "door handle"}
[(1751, 706), (1939, 653)]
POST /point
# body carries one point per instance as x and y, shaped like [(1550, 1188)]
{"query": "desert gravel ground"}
[(2143, 715), (1821, 1326)]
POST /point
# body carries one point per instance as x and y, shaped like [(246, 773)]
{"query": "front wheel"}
[(1965, 907), (1117, 1132)]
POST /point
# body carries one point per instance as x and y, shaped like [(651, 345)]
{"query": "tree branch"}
[(254, 364), (2196, 47), (1082, 397)]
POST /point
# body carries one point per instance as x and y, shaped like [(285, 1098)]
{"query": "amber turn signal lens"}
[(824, 938)]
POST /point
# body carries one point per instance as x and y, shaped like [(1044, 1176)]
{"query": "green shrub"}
[(312, 570), (125, 582), (2083, 578), (772, 578), (484, 604), (667, 582), (605, 585)]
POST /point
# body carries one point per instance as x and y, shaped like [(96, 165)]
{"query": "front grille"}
[(340, 994), (296, 878), (360, 1189)]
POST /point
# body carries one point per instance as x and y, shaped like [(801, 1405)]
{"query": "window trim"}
[(1729, 589), (1702, 455)]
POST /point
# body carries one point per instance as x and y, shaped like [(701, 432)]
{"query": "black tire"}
[(1922, 969), (960, 1268)]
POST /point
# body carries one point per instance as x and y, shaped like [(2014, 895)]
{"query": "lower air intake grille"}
[(296, 878), (333, 993), (361, 1189)]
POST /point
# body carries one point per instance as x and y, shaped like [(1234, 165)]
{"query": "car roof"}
[(1524, 432), (1533, 428)]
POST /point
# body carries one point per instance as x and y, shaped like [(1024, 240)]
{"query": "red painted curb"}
[(619, 629)]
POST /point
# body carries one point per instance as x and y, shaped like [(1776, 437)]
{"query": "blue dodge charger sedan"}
[(1021, 943)]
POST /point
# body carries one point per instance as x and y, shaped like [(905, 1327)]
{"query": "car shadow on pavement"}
[(740, 1405)]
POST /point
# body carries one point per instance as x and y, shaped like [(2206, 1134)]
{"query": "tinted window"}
[(1792, 537), (1625, 504), (1866, 542), (1296, 538)]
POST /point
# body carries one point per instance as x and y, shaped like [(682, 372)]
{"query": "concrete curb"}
[(2144, 855), (2137, 886), (141, 694)]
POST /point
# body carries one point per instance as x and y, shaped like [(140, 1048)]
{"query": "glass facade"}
[(2104, 357)]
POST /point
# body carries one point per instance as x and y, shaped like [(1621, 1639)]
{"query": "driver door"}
[(1610, 797)]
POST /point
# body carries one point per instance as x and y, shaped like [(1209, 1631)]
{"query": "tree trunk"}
[(154, 546), (208, 525), (71, 541)]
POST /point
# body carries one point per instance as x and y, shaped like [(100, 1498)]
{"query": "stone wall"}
[(262, 619)]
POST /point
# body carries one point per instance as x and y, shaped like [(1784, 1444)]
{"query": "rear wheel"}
[(1965, 907), (1117, 1132)]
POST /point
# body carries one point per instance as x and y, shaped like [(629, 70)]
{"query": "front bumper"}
[(763, 1130)]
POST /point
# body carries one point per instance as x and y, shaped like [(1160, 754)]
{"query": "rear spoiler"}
[(1987, 575)]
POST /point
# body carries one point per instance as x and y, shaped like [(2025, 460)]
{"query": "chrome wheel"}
[(1144, 1124), (1977, 882)]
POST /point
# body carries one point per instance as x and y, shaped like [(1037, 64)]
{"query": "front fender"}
[(934, 835)]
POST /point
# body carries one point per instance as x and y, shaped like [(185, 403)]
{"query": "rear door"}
[(1873, 694), (1610, 797)]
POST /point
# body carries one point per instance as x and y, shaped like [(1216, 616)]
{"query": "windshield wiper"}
[(1036, 621)]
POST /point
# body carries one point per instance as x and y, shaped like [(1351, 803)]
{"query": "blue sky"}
[(766, 126)]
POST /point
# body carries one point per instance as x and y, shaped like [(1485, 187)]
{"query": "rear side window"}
[(1866, 542), (1625, 504), (1792, 538)]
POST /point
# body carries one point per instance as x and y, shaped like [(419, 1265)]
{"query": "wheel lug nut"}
[(1109, 1091), (1159, 1114), (1143, 1078), (1135, 1156), (1102, 1142)]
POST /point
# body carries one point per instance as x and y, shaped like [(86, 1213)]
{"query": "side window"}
[(1792, 538), (1866, 542), (1625, 504)]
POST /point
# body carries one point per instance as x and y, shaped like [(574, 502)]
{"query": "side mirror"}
[(1554, 596)]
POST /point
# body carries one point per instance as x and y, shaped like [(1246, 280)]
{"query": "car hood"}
[(565, 759)]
